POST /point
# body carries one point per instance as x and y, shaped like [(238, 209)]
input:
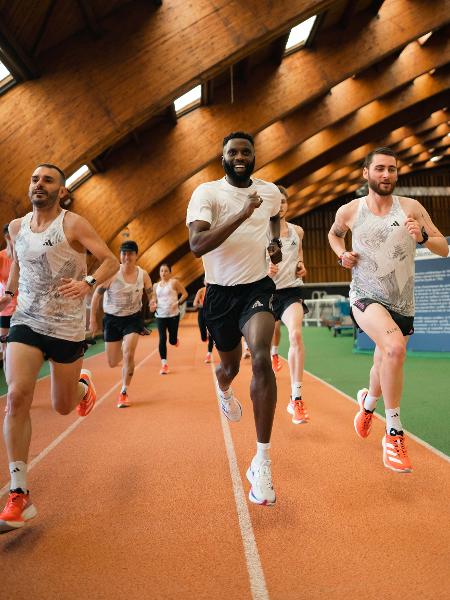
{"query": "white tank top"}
[(286, 277), (385, 268), (123, 299), (166, 298), (44, 259)]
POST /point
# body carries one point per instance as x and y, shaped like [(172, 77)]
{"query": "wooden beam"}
[(43, 27), (90, 18), (14, 57)]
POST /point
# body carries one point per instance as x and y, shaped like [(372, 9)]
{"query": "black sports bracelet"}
[(12, 294)]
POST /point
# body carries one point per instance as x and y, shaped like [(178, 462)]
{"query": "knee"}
[(230, 371), (18, 401), (113, 362), (261, 364), (395, 352), (295, 339)]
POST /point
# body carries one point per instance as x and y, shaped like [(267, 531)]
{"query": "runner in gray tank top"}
[(49, 269), (289, 306), (385, 229), (122, 322)]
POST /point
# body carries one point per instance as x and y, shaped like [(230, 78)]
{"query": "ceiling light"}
[(78, 177), (188, 100), (431, 149), (424, 38), (4, 73), (436, 158), (299, 35)]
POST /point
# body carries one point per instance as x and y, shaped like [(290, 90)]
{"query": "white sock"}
[(225, 394), (274, 350), (164, 361), (370, 402), (393, 420), (124, 389), (246, 345), (296, 390), (262, 453), (18, 470)]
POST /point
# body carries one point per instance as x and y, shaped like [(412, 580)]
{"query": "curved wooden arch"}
[(276, 94)]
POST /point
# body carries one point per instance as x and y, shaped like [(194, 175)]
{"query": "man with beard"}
[(49, 269), (228, 221), (385, 229)]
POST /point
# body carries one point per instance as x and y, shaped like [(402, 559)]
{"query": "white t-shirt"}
[(241, 258)]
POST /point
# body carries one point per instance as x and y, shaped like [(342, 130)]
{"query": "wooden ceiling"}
[(97, 81)]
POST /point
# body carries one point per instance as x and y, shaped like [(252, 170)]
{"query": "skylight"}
[(436, 158), (78, 177), (424, 38), (189, 100), (299, 35), (6, 79)]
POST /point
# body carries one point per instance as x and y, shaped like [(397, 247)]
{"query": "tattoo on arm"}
[(101, 290), (337, 231)]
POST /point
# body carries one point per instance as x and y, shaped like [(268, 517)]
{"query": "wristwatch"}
[(425, 237), (9, 293), (277, 241), (91, 281)]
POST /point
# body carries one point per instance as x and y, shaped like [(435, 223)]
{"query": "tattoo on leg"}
[(392, 330)]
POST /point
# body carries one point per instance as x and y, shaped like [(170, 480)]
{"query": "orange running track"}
[(139, 502)]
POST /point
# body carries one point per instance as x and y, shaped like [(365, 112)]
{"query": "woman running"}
[(289, 306), (204, 334), (167, 297)]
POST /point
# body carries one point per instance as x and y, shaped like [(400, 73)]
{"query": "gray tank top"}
[(286, 277), (44, 259), (385, 269), (123, 299)]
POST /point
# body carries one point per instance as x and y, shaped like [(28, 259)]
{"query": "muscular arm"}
[(338, 231), (436, 242), (203, 239), (95, 302), (148, 286)]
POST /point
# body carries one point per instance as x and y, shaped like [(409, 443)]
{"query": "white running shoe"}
[(260, 476), (231, 407)]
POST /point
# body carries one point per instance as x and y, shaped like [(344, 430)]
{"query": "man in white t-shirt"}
[(228, 221)]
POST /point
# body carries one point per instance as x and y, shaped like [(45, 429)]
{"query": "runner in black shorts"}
[(405, 324), (289, 306), (228, 221), (123, 321), (6, 260)]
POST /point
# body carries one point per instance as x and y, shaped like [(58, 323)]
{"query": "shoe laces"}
[(400, 445), (13, 499), (264, 473), (299, 406), (367, 416)]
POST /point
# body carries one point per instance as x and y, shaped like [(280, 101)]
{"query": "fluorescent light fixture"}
[(189, 100), (431, 150), (299, 35), (424, 38), (4, 73), (436, 158), (78, 177)]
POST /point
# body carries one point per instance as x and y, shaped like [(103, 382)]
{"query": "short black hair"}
[(382, 150), (238, 135), (283, 190), (6, 229), (51, 166), (165, 265), (129, 246)]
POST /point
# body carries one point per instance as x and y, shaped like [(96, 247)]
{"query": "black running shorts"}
[(59, 351), (116, 328), (228, 308), (283, 298), (5, 322), (405, 324)]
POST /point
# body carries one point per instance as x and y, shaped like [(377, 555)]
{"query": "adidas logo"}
[(47, 243), (294, 243), (395, 224), (257, 304)]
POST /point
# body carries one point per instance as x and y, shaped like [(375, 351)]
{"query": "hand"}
[(4, 301), (73, 289), (301, 270), (93, 328), (273, 270), (153, 306), (349, 259), (275, 253), (253, 201), (414, 228)]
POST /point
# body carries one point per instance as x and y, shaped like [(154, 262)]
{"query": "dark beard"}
[(238, 177), (47, 202), (379, 190)]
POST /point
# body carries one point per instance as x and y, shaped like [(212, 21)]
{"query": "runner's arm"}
[(148, 286), (436, 243), (181, 290), (336, 238), (301, 270)]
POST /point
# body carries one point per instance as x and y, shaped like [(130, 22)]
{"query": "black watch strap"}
[(425, 237)]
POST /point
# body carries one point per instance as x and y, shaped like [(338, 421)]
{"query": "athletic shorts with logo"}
[(284, 297), (228, 308), (115, 328), (405, 324), (55, 349)]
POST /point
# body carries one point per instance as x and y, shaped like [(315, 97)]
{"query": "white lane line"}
[(74, 425), (411, 435), (258, 586)]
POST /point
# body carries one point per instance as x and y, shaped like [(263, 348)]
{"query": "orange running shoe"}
[(88, 402), (164, 370), (123, 401), (363, 418), (395, 455), (17, 511), (297, 409), (276, 363)]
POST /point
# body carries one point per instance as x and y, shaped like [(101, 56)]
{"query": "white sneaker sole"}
[(28, 513), (252, 497), (388, 466), (295, 421)]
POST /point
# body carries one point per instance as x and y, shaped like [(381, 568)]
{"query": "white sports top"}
[(44, 259), (385, 268), (286, 278), (121, 298), (166, 299), (241, 258)]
